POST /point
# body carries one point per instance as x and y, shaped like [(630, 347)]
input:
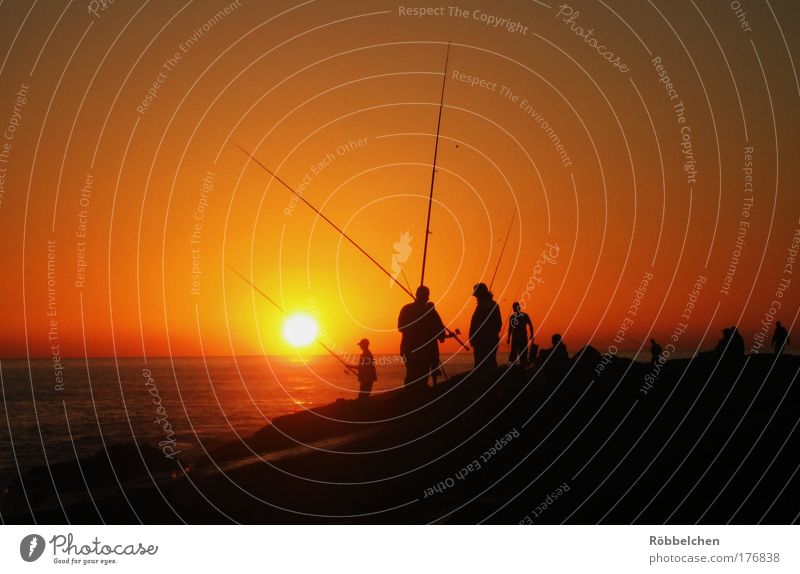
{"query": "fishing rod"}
[(450, 334), (433, 170), (403, 271), (499, 259), (323, 216), (285, 314)]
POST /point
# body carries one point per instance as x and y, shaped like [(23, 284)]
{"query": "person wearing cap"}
[(422, 330), (519, 325), (484, 329), (365, 370)]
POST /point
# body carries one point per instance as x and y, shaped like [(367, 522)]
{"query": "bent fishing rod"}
[(285, 314), (448, 332), (433, 169), (322, 215), (503, 250)]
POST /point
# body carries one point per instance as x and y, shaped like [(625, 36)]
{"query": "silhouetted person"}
[(722, 344), (737, 343), (519, 324), (655, 351), (484, 329), (365, 370), (731, 344), (555, 360), (780, 339), (422, 330)]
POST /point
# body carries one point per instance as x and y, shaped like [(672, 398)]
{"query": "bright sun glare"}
[(300, 330)]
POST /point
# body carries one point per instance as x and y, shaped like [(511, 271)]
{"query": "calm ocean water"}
[(204, 401)]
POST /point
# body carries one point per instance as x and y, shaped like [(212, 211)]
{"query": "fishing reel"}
[(455, 335)]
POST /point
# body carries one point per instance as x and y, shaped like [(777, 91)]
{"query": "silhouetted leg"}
[(364, 390), (416, 373), (532, 352), (491, 357), (478, 355), (407, 363), (485, 358), (519, 351)]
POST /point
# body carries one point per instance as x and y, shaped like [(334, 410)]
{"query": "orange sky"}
[(344, 95)]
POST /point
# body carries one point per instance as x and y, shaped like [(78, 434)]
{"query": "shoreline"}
[(311, 455)]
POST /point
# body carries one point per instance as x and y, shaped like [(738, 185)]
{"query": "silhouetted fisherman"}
[(780, 339), (655, 351), (365, 370), (484, 329), (519, 324), (555, 360), (422, 330)]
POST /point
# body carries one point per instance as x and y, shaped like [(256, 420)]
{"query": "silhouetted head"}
[(726, 332), (653, 341), (423, 294), (777, 323), (555, 339), (481, 291), (364, 344), (515, 307)]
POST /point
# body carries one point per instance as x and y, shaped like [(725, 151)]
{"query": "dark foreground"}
[(711, 442)]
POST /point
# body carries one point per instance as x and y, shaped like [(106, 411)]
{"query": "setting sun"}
[(300, 330)]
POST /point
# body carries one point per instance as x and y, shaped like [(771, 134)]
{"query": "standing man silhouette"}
[(365, 370), (519, 324), (422, 330), (484, 329)]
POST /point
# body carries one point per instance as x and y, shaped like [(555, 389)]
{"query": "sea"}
[(189, 404)]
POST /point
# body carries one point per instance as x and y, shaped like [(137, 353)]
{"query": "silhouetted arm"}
[(439, 326), (497, 319), (473, 326), (402, 320)]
